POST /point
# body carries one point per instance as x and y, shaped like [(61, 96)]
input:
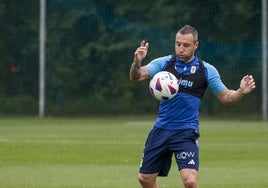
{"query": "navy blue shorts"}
[(160, 146)]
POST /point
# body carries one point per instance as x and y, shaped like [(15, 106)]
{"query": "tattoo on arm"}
[(234, 96), (135, 71), (229, 97)]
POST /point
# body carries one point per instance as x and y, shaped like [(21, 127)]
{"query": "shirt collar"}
[(193, 62)]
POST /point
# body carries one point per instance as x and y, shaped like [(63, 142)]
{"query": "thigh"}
[(156, 156), (186, 151)]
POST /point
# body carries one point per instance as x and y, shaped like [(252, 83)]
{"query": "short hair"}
[(187, 29)]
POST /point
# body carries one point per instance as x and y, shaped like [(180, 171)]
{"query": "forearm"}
[(135, 70), (234, 96)]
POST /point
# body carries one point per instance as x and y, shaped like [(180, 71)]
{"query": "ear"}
[(196, 45)]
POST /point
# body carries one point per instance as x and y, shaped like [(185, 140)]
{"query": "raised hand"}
[(247, 84), (141, 52)]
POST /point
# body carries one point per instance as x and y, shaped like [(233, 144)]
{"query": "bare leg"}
[(189, 178), (148, 180)]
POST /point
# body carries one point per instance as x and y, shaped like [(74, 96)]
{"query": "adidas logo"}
[(191, 162)]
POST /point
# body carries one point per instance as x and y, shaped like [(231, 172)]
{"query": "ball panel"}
[(163, 86)]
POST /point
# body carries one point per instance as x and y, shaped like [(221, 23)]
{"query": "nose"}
[(181, 49)]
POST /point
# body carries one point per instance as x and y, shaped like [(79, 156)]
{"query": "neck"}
[(187, 61)]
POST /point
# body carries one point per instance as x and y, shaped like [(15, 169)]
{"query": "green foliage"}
[(18, 105), (90, 46)]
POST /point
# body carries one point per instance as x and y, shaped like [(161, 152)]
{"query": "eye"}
[(178, 44)]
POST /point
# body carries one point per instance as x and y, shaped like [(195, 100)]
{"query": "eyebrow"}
[(182, 42)]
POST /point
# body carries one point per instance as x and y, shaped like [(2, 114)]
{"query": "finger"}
[(142, 43), (245, 77), (252, 84), (136, 53), (248, 78), (147, 45), (251, 79)]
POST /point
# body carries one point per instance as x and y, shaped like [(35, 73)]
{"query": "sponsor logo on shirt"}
[(185, 83)]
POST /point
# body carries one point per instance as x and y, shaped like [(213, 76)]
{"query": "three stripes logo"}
[(191, 162)]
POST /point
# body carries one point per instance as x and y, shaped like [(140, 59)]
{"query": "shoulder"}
[(209, 67), (211, 71), (157, 64), (161, 60), (214, 79)]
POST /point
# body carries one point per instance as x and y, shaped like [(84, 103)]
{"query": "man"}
[(176, 129)]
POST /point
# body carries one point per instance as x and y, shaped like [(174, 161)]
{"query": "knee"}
[(143, 179), (147, 179), (189, 178), (190, 182)]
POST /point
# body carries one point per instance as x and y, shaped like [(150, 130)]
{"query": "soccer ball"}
[(164, 85)]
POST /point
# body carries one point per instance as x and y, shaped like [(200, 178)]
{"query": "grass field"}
[(78, 153)]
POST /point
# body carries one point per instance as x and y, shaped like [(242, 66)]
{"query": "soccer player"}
[(176, 129)]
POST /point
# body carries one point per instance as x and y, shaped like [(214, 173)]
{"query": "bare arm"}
[(227, 96), (138, 72)]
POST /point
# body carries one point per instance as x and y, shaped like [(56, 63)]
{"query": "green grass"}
[(77, 153)]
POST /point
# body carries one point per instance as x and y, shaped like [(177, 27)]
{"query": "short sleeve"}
[(157, 65), (214, 79)]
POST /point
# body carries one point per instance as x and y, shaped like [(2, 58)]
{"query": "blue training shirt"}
[(182, 111)]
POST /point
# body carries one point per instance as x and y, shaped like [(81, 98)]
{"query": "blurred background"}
[(89, 48)]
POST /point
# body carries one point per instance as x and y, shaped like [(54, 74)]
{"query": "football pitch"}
[(105, 153)]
